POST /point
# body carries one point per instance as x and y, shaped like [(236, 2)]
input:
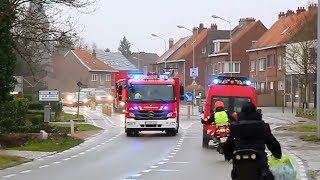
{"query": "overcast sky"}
[(138, 19)]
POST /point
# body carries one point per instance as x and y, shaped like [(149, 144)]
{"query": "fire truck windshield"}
[(151, 92), (231, 103)]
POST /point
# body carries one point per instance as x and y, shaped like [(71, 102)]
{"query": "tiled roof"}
[(93, 64), (116, 60), (173, 49), (285, 29), (186, 49), (239, 32)]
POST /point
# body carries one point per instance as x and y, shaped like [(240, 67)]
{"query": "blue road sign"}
[(188, 96)]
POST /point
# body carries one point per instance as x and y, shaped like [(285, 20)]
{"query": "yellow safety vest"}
[(221, 117)]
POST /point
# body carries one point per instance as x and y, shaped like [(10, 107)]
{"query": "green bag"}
[(282, 169)]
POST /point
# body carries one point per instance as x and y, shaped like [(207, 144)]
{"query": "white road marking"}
[(82, 153), (74, 156), (179, 162), (166, 170), (9, 176), (153, 167), (166, 159), (147, 170), (26, 171), (170, 156), (173, 153), (135, 175), (66, 159), (44, 166), (57, 162), (162, 163)]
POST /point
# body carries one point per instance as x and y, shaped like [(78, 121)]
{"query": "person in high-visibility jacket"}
[(220, 115)]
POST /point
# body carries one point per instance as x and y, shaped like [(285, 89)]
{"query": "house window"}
[(220, 67), (108, 77), (204, 50), (94, 77), (252, 66), (108, 90), (270, 60), (262, 64), (213, 69), (280, 85), (271, 85), (262, 86), (236, 67), (280, 63), (216, 47)]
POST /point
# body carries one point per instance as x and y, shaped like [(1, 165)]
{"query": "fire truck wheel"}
[(129, 132), (205, 140), (171, 132)]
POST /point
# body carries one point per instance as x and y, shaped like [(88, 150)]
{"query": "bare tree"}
[(40, 28)]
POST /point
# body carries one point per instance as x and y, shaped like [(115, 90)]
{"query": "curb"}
[(298, 164)]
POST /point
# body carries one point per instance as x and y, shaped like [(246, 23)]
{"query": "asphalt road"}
[(113, 155)]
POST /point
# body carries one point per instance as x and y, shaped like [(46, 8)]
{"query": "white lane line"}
[(44, 166), (59, 153), (135, 175), (74, 156), (66, 159), (9, 176), (82, 153), (147, 170), (160, 163), (170, 156), (103, 143), (173, 153), (41, 159), (179, 162), (175, 150), (26, 171), (166, 159), (166, 170), (88, 150), (57, 162), (153, 167)]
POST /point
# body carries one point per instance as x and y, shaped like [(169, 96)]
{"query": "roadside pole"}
[(318, 74)]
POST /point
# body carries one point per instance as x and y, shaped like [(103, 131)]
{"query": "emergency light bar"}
[(225, 80)]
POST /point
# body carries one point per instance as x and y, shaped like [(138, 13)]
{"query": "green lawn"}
[(9, 161), (310, 137), (78, 126), (50, 145), (303, 128), (68, 116)]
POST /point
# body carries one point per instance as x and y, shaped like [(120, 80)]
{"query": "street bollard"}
[(188, 111), (72, 127)]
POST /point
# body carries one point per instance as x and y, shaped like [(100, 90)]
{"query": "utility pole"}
[(318, 74)]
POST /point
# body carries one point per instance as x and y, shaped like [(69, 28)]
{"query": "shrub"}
[(37, 119)]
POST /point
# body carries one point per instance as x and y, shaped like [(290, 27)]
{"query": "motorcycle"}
[(221, 135), (246, 165)]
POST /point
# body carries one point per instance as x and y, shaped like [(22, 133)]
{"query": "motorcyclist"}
[(220, 115), (251, 132)]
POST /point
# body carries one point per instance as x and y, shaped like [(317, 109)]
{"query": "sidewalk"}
[(306, 154)]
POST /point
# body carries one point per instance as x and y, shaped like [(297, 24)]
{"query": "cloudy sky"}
[(138, 19)]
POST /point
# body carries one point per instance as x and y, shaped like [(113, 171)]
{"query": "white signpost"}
[(194, 72), (49, 95)]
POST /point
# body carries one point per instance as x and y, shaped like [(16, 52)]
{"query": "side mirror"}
[(259, 111), (181, 90)]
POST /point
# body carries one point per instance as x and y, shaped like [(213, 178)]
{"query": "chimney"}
[(281, 14), (312, 6), (94, 55), (246, 20), (300, 9), (289, 12), (195, 31), (214, 27), (171, 42), (200, 27)]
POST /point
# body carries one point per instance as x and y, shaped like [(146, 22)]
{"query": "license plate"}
[(223, 139), (151, 122)]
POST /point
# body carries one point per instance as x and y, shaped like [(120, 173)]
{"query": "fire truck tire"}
[(129, 132), (171, 132), (205, 140)]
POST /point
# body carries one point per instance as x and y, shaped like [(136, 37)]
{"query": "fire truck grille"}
[(146, 115)]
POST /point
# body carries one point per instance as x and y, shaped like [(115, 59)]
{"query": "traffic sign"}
[(194, 72), (188, 96), (49, 95)]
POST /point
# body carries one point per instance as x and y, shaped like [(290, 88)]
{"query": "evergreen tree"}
[(7, 54), (124, 47)]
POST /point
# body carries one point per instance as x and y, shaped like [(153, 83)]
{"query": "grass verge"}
[(310, 137), (303, 128), (78, 127), (68, 117), (7, 161), (50, 145)]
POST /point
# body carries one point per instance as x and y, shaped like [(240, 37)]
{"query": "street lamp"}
[(218, 17), (194, 78), (165, 47)]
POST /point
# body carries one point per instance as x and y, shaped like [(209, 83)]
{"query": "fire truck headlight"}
[(131, 123), (165, 108), (248, 83), (122, 103)]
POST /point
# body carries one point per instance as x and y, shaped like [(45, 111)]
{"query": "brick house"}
[(267, 55), (143, 61), (79, 65), (247, 31), (179, 56)]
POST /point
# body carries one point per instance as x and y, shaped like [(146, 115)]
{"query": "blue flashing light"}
[(215, 81), (135, 107), (248, 82), (165, 108), (136, 76)]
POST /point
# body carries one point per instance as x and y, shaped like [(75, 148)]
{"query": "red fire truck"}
[(151, 103), (234, 92)]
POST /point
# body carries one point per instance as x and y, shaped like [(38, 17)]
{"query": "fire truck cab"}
[(151, 103), (234, 92)]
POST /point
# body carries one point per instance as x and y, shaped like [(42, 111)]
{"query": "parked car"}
[(102, 97)]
